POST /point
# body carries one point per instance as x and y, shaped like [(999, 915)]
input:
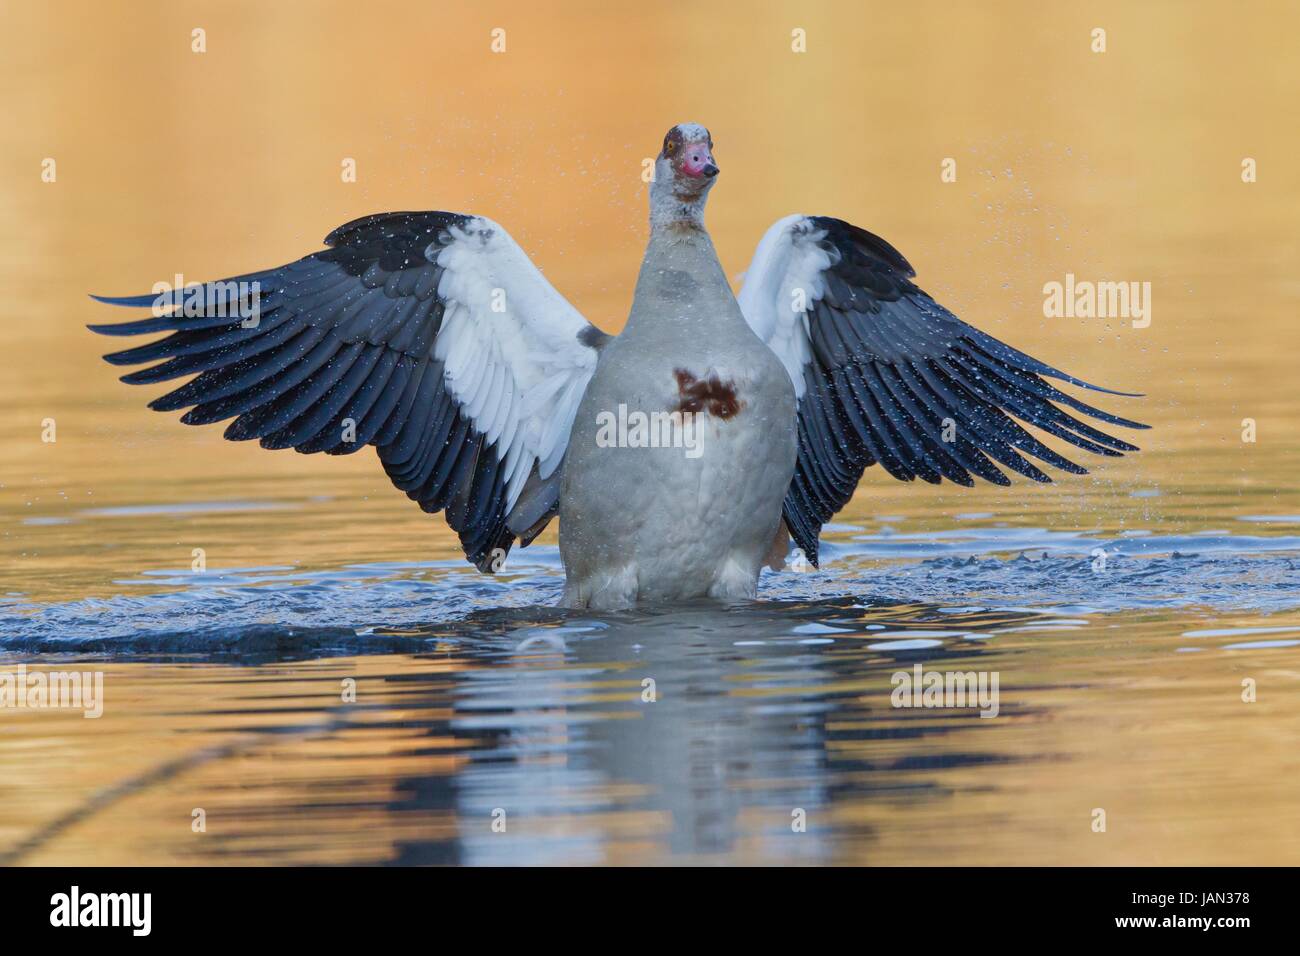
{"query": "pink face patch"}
[(696, 158)]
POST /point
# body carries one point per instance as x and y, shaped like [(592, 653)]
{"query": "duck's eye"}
[(669, 147)]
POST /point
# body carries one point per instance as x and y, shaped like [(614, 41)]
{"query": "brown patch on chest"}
[(710, 394)]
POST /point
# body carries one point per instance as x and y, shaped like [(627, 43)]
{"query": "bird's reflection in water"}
[(696, 732)]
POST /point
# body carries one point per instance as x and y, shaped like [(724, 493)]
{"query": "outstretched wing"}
[(883, 373), (429, 335)]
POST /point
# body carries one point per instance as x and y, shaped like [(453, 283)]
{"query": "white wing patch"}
[(782, 282), (511, 348)]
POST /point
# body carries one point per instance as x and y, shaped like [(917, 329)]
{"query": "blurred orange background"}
[(1122, 165)]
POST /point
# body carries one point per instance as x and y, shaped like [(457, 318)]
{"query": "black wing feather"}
[(344, 335), (890, 368)]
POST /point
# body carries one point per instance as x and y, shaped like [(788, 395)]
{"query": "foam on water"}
[(1075, 577)]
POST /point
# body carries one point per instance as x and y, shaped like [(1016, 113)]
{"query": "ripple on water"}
[(1048, 580)]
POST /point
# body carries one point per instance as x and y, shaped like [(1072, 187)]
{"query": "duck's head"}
[(684, 173), (686, 160)]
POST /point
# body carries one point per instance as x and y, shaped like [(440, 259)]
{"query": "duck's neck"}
[(682, 287), (674, 211)]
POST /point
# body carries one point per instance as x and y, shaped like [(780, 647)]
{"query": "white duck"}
[(681, 455)]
